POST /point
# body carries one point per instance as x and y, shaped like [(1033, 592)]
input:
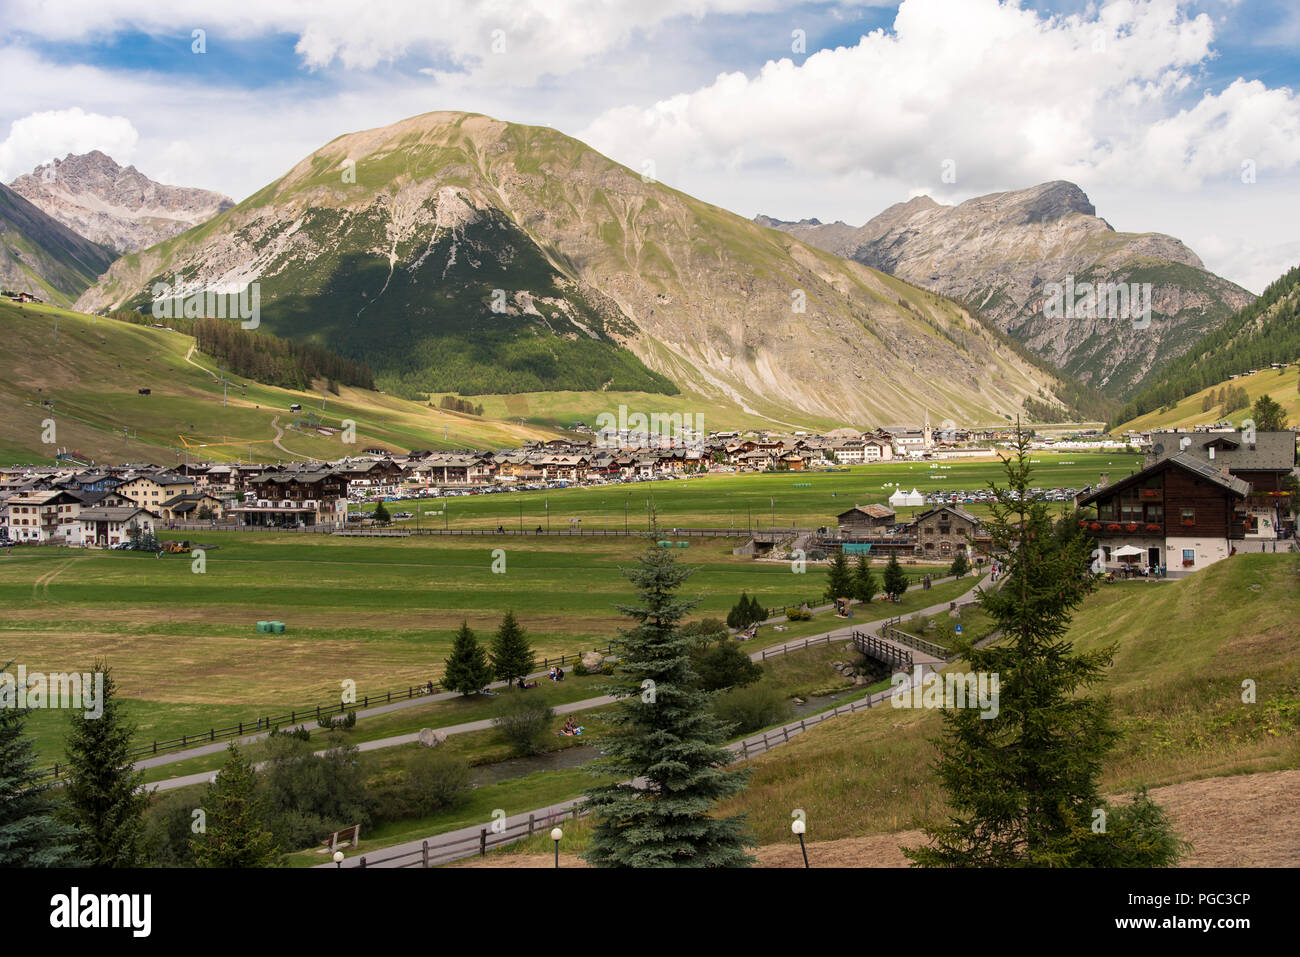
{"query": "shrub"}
[(306, 796), (723, 664), (580, 669), (524, 720), (750, 708), (346, 722)]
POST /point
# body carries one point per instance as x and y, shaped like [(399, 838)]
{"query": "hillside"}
[(996, 252), (115, 206), (1266, 331), (1281, 385), (394, 246), (41, 256), (91, 368)]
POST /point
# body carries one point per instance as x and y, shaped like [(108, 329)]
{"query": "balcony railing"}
[(1109, 529)]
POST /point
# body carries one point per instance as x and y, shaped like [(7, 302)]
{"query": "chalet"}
[(943, 531), (866, 520), (106, 525), (193, 507), (42, 517), (876, 449), (1180, 513), (849, 451), (293, 499)]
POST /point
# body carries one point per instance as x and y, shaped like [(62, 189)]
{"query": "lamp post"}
[(338, 859), (798, 827), (556, 834)]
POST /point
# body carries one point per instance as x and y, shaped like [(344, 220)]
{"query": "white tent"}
[(915, 498), (898, 499)]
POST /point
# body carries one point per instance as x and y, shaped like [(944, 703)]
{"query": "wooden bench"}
[(347, 836)]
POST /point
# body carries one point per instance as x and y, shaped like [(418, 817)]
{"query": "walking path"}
[(410, 853)]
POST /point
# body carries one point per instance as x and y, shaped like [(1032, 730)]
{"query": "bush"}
[(580, 669), (607, 668), (347, 722), (524, 720), (723, 664), (752, 707), (167, 830), (305, 796)]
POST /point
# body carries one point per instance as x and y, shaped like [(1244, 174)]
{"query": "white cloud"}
[(41, 137), (1010, 96)]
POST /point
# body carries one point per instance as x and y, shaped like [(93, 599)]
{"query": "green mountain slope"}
[(90, 369), (1264, 332), (41, 256), (394, 246)]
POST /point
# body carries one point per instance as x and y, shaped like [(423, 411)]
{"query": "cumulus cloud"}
[(504, 41), (990, 93), (41, 137)]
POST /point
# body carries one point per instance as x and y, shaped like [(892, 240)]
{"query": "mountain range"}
[(115, 206), (455, 252), (999, 253)]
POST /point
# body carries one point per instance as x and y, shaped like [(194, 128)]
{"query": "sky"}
[(1174, 117)]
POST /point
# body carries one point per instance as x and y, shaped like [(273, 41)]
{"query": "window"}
[(1189, 516), (1189, 557)]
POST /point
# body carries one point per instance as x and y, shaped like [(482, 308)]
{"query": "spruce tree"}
[(236, 835), (895, 578), (839, 578), (1023, 785), (960, 564), (380, 514), (865, 585), (663, 731), (512, 655), (105, 797), (467, 670), (30, 833)]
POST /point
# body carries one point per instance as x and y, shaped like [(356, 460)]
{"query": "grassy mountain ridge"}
[(41, 256)]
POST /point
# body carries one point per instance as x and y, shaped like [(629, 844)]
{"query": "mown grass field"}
[(379, 612), (1184, 650), (756, 500)]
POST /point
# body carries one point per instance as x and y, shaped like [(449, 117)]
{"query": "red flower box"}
[(1131, 527), (1095, 526), (1112, 527), (1152, 527)]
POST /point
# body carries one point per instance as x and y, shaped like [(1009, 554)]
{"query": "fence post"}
[(530, 825), (424, 853), (363, 862), (786, 732), (482, 842)]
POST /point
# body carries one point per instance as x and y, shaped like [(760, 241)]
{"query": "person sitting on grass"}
[(569, 729)]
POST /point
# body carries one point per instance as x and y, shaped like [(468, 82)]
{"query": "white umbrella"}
[(1124, 551)]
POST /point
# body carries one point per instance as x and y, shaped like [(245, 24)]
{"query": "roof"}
[(1183, 460), (111, 513), (955, 509), (872, 511)]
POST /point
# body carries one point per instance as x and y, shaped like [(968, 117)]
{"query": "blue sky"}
[(1154, 107)]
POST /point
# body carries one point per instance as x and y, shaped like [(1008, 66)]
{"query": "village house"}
[(1180, 513), (106, 525), (197, 506), (150, 490), (42, 517), (866, 520), (943, 531), (292, 499)]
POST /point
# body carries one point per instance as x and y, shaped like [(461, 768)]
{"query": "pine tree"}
[(236, 835), (1269, 415), (662, 730), (467, 670), (865, 585), (30, 833), (895, 578), (839, 579), (960, 564), (512, 655), (105, 800), (1023, 785), (380, 514)]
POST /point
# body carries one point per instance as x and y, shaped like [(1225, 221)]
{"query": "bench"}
[(347, 836)]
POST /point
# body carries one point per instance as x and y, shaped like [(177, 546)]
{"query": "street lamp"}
[(338, 858), (798, 827), (556, 834)]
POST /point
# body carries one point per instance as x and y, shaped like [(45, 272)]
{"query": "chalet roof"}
[(111, 513), (871, 511), (1183, 460), (954, 509)]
